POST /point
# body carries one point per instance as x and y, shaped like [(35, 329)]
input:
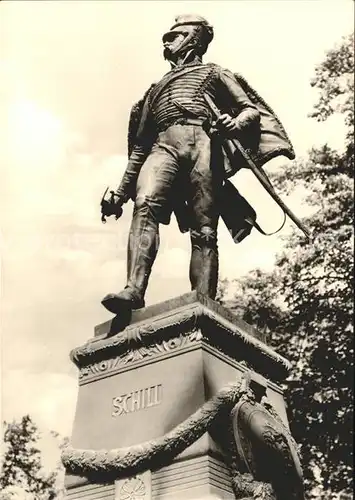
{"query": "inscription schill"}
[(137, 400)]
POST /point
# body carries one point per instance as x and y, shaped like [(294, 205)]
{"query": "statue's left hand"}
[(111, 206), (226, 125)]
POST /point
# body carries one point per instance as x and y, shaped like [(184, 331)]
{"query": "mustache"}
[(167, 53)]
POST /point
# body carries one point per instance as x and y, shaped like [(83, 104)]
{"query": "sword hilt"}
[(109, 207)]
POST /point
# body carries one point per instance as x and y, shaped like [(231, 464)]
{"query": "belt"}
[(181, 121), (194, 121)]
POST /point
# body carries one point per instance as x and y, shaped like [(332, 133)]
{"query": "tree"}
[(22, 475), (305, 304)]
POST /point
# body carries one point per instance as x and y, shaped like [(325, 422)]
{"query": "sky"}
[(69, 74)]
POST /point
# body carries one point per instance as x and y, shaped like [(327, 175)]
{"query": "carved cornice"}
[(215, 326), (134, 336), (137, 355), (176, 329)]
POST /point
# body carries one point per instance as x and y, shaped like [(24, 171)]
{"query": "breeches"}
[(181, 159)]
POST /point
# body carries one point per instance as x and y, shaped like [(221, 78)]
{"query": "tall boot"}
[(143, 244), (204, 269)]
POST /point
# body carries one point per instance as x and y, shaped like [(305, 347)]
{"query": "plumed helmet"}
[(197, 32)]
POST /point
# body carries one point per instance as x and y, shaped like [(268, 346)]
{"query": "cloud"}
[(50, 400)]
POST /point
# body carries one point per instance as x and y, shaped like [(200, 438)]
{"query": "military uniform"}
[(173, 149), (175, 165)]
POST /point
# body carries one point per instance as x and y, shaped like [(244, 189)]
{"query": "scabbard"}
[(234, 144)]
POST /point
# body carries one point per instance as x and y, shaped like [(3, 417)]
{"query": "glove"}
[(225, 125)]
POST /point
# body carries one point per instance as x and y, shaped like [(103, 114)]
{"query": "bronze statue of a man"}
[(177, 162)]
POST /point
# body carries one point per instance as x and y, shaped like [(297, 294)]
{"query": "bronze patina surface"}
[(177, 162)]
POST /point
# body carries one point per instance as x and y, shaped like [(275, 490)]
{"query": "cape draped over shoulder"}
[(272, 139)]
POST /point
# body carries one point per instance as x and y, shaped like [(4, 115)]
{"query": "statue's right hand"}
[(111, 205)]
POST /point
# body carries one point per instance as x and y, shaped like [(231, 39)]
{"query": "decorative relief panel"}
[(94, 370), (134, 488)]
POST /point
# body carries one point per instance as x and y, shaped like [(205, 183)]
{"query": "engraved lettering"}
[(117, 405), (143, 393), (159, 394), (125, 400), (154, 395), (149, 397), (137, 400)]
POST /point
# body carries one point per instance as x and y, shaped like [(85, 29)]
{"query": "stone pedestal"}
[(142, 383)]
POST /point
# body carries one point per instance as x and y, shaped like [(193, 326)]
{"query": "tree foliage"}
[(306, 303), (23, 475), (334, 78)]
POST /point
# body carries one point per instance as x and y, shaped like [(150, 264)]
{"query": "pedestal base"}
[(148, 380), (199, 478)]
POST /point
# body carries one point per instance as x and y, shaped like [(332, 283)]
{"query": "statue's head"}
[(189, 36)]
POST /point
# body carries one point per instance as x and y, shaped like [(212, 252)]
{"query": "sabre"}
[(256, 171)]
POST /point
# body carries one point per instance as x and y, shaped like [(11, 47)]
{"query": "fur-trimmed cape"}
[(273, 140)]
